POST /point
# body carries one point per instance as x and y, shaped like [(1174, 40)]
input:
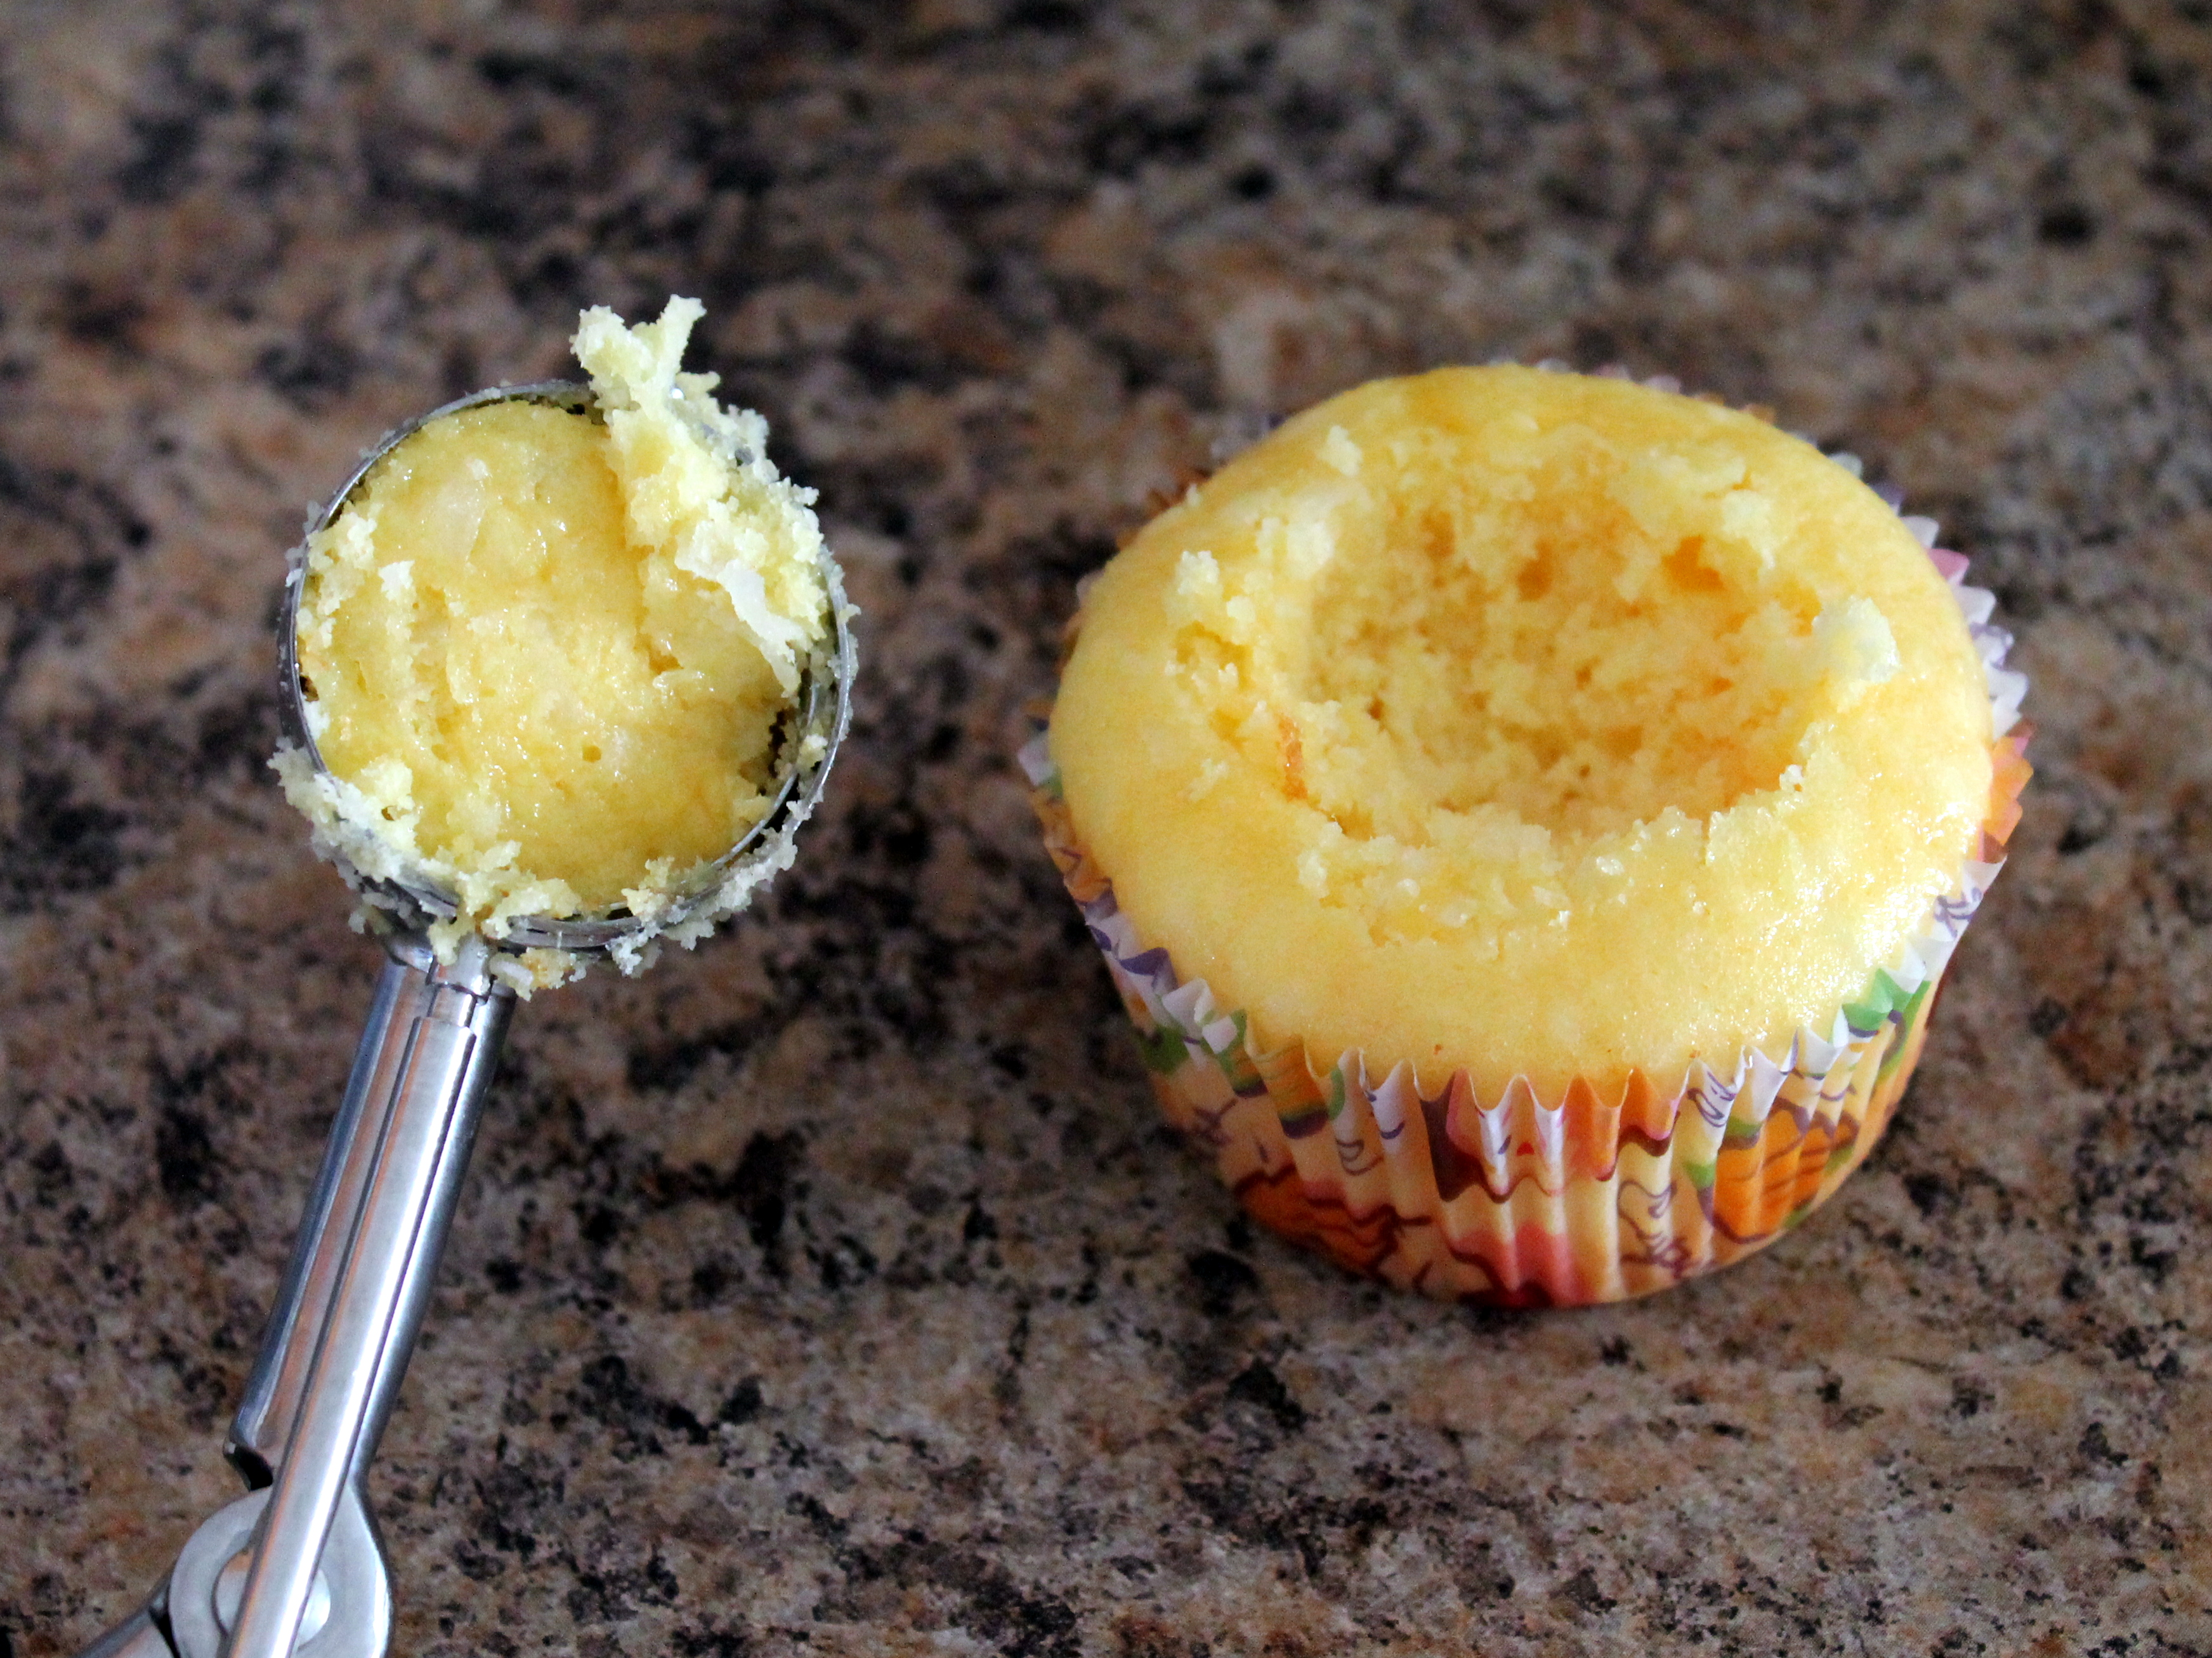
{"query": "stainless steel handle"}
[(138, 1635), (365, 1272), (271, 1406), (265, 1415), (339, 1338)]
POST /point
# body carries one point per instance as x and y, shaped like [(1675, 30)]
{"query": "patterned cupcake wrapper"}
[(1520, 1201)]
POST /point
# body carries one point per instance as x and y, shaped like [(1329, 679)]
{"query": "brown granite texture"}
[(833, 1289)]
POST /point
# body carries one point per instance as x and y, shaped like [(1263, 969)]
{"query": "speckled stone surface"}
[(833, 1289)]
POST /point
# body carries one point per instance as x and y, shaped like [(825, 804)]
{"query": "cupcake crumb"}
[(1340, 451)]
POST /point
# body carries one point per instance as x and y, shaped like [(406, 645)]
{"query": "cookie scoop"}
[(564, 668)]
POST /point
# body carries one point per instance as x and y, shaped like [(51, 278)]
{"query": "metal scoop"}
[(295, 1564)]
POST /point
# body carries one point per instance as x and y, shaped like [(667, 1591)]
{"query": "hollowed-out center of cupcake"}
[(1579, 638), (1493, 664)]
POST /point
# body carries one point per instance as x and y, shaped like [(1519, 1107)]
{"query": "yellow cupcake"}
[(1550, 753)]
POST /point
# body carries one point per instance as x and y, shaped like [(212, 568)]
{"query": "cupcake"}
[(1527, 815)]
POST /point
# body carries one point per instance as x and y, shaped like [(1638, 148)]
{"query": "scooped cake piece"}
[(546, 652)]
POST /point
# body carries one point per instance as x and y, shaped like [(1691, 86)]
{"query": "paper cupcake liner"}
[(1520, 1201)]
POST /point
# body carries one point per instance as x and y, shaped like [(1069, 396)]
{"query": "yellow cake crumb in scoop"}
[(551, 650)]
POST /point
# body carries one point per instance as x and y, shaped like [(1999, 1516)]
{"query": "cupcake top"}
[(1527, 724)]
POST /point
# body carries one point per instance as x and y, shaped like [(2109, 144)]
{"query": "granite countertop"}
[(834, 1288)]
